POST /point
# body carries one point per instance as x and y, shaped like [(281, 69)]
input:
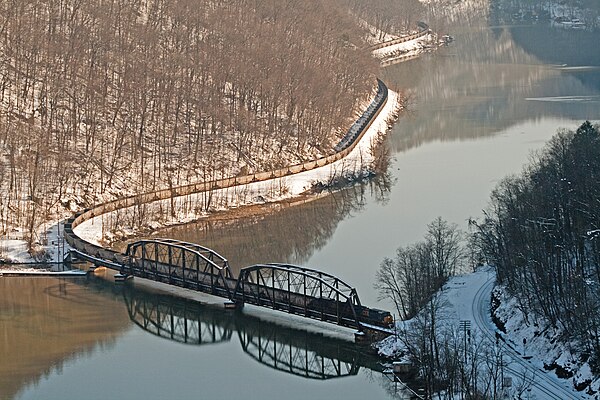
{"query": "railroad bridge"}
[(284, 287)]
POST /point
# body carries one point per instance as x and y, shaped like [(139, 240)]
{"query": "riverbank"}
[(543, 344), (531, 355), (398, 49), (355, 165)]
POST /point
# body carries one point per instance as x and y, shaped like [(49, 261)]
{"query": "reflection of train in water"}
[(366, 315)]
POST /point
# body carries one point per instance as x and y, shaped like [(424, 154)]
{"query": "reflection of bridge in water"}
[(285, 349), (178, 321), (296, 290)]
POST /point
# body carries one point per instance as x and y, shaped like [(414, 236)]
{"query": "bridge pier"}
[(123, 278), (368, 336), (232, 305), (282, 287), (361, 337), (70, 261)]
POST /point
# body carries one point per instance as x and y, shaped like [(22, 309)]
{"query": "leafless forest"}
[(100, 99), (541, 233)]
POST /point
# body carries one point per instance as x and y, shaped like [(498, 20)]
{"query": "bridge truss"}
[(284, 287), (178, 321), (180, 263), (284, 349), (299, 290)]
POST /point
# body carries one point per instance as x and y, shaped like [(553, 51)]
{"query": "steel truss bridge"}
[(292, 351), (284, 287)]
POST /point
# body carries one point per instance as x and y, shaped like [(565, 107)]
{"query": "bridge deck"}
[(292, 289), (342, 308), (318, 308)]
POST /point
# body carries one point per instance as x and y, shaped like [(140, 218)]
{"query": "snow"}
[(375, 35), (458, 296), (544, 344), (51, 248), (299, 322), (15, 250), (409, 48), (467, 298), (13, 271), (458, 10), (357, 163), (176, 291), (92, 230)]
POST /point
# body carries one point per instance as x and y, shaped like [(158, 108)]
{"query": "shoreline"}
[(16, 251), (269, 187), (297, 191), (405, 48)]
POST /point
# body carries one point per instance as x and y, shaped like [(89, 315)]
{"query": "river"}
[(478, 108)]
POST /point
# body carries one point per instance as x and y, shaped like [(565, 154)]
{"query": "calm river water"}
[(479, 107)]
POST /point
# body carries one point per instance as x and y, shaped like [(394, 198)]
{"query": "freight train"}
[(366, 315)]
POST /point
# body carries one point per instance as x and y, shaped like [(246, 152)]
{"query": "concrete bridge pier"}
[(232, 305), (123, 278), (361, 337)]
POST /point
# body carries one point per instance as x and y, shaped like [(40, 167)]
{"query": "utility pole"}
[(465, 326)]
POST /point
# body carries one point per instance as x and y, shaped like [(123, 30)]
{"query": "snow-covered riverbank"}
[(409, 49), (531, 355), (358, 162), (48, 250), (544, 344), (457, 297)]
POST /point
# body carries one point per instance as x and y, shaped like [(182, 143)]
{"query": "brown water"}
[(48, 323), (478, 108)]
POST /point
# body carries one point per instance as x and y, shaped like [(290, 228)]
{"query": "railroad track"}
[(536, 377)]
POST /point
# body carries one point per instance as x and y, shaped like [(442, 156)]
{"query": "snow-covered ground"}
[(458, 10), (50, 250), (458, 296), (410, 48), (14, 250), (466, 299), (375, 36), (357, 162), (36, 272), (544, 344)]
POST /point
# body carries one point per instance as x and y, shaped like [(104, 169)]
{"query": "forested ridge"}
[(542, 234), (100, 99)]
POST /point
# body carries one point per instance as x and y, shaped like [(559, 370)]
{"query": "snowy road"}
[(543, 384)]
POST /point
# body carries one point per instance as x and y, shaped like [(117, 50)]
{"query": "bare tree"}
[(119, 97), (540, 233), (418, 271)]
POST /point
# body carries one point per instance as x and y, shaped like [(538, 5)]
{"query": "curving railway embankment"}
[(399, 50), (539, 381), (349, 145)]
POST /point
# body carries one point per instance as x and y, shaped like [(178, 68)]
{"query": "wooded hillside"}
[(104, 98), (542, 234)]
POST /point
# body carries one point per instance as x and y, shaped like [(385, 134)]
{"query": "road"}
[(543, 384)]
